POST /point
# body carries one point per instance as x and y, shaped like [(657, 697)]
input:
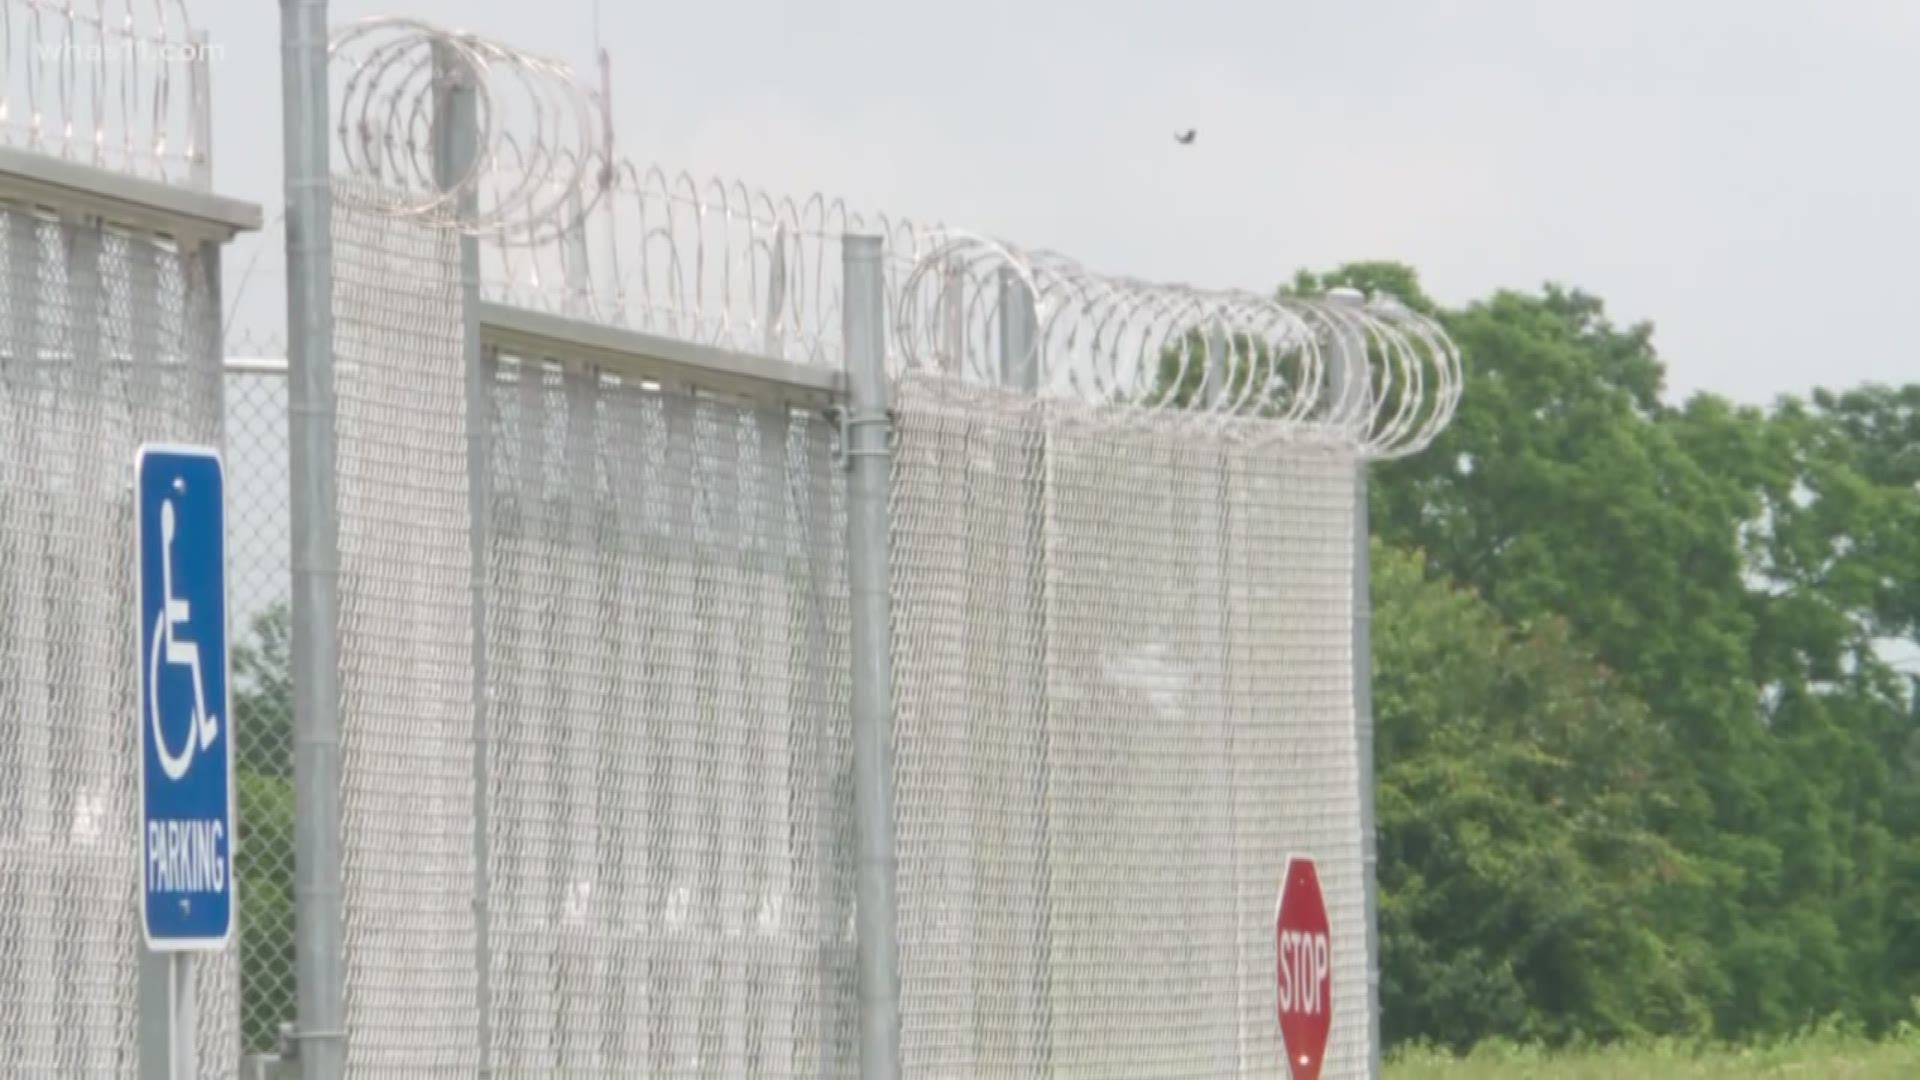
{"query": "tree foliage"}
[(1742, 575), (1519, 865), (263, 752)]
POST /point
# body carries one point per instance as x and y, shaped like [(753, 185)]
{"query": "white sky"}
[(1742, 174)]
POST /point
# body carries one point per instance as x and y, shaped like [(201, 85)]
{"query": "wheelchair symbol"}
[(167, 642)]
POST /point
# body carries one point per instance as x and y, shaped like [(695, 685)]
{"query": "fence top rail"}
[(538, 335), (69, 188), (255, 365), (630, 354)]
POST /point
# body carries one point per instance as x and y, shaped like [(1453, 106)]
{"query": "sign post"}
[(1304, 969), (185, 723)]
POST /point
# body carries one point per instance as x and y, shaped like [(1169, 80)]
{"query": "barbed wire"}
[(567, 227), (711, 261), (390, 72), (115, 84), (1360, 371)]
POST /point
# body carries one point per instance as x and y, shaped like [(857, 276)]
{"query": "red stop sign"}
[(1304, 955)]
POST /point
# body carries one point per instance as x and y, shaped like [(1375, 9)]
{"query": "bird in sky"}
[(1185, 138)]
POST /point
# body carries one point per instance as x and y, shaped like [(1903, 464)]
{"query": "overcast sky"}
[(1743, 175)]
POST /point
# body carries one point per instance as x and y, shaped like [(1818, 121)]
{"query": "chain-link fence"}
[(1125, 677), (257, 542), (600, 703), (659, 884), (407, 699), (668, 884), (621, 667), (108, 339), (1125, 697)]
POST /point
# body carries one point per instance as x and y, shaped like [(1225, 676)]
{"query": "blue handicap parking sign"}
[(186, 729)]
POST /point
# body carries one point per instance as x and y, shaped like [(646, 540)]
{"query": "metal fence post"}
[(868, 448), (1213, 382), (1349, 372), (314, 517), (1019, 356), (456, 132), (776, 292), (156, 1011), (1363, 734), (1020, 345), (576, 267), (200, 91)]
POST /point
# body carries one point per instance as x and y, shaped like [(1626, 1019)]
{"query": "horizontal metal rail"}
[(631, 354), (535, 335), (44, 182)]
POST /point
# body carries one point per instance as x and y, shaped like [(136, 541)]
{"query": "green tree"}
[(1739, 570), (263, 749), (1519, 868), (267, 988), (1835, 561), (263, 695)]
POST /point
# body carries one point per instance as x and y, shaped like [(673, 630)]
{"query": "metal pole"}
[(776, 292), (201, 92), (869, 466), (1215, 384), (1363, 721), (1363, 735), (1213, 388), (169, 1017), (953, 301), (1019, 356), (156, 1015), (456, 132), (576, 267), (315, 523), (184, 1017), (1349, 371), (1219, 366), (1020, 370)]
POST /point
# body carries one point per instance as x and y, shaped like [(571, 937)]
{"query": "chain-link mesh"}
[(1289, 581), (1124, 693), (669, 867), (670, 864), (257, 545), (1124, 674), (106, 341), (405, 648)]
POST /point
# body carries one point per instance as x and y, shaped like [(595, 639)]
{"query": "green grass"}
[(1823, 1055)]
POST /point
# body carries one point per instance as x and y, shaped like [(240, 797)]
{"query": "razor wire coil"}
[(1366, 372), (115, 84), (567, 227), (392, 73)]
